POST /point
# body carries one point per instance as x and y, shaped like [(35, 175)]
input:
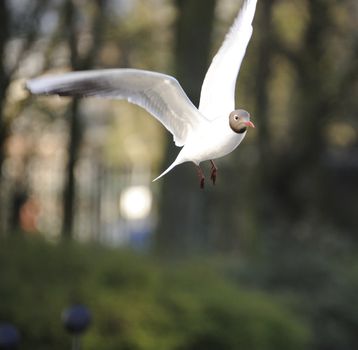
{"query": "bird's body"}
[(212, 141), (205, 144), (212, 131)]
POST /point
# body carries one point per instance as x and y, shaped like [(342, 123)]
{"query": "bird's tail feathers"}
[(166, 171)]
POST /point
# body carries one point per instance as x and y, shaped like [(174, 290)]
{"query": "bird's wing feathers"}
[(218, 90), (160, 94)]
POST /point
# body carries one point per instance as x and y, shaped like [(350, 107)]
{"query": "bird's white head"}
[(239, 121)]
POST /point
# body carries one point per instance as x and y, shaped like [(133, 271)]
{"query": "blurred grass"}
[(138, 302)]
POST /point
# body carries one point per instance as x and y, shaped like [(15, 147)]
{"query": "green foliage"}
[(321, 276), (137, 303)]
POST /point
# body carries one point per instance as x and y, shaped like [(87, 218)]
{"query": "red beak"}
[(250, 124)]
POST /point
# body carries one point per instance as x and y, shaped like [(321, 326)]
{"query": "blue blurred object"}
[(9, 336), (76, 319)]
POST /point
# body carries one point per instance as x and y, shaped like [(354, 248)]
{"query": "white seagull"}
[(211, 131)]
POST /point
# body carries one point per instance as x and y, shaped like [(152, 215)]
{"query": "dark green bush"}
[(137, 302)]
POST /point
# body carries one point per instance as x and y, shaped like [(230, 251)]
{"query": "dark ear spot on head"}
[(241, 130)]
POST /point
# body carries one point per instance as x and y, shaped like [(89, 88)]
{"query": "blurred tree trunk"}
[(294, 183), (193, 44), (183, 205), (4, 78), (75, 124), (310, 111), (74, 128), (264, 34), (4, 82), (7, 30)]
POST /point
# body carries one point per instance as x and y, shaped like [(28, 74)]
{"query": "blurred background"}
[(266, 259)]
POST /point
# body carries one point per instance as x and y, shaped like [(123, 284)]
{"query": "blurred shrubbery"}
[(137, 302), (321, 275)]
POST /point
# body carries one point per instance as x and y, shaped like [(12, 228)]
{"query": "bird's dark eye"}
[(236, 117)]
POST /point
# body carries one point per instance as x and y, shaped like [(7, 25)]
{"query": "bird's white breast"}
[(214, 140)]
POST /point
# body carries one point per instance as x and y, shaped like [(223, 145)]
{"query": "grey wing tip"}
[(26, 86), (41, 86), (30, 86)]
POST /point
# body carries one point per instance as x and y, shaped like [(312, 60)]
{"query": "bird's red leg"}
[(214, 170), (201, 177)]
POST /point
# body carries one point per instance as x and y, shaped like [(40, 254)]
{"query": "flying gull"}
[(209, 132)]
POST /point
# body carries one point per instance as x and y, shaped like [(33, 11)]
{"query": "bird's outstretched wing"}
[(160, 94), (218, 90)]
